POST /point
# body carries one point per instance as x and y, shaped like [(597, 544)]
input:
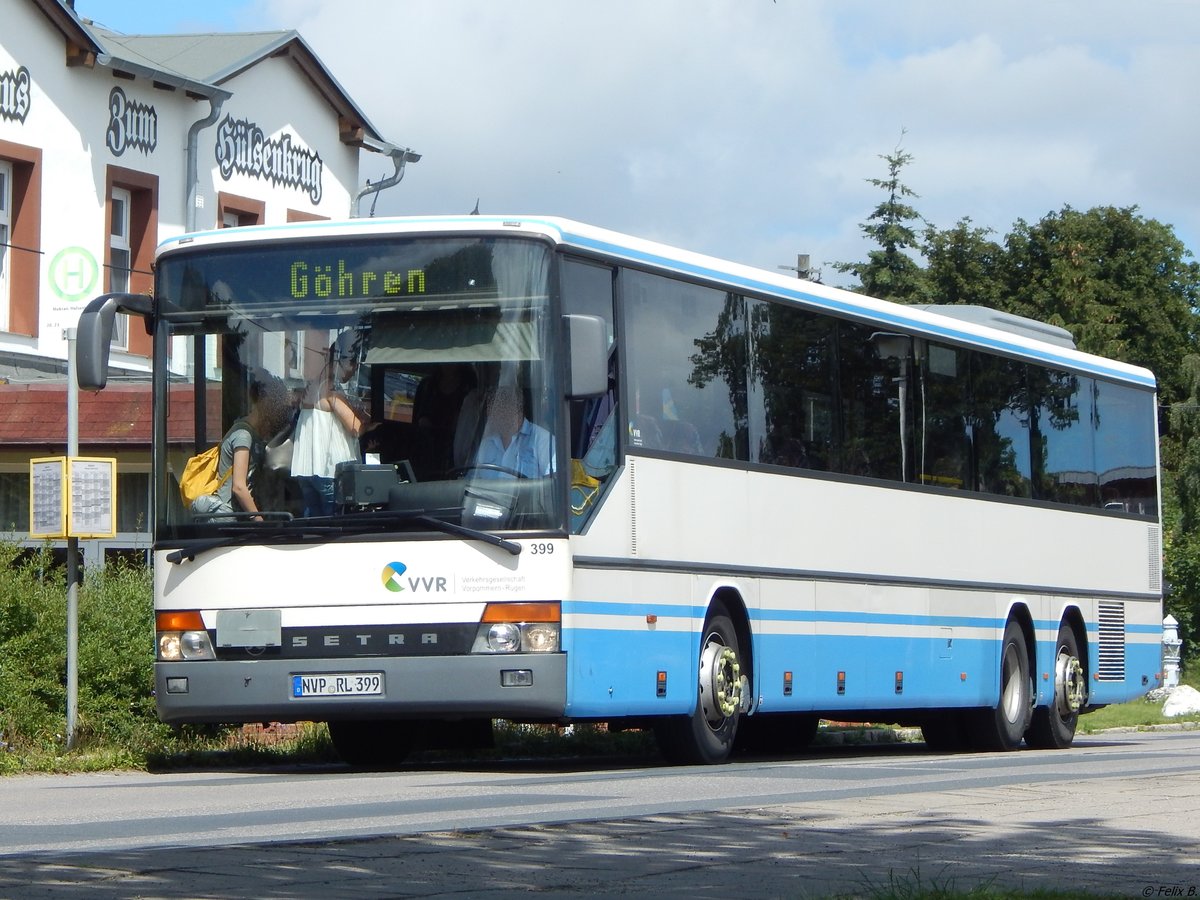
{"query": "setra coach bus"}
[(584, 477)]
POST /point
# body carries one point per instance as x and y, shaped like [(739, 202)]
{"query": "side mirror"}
[(587, 342), (93, 335)]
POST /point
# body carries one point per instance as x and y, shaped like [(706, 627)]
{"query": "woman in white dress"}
[(328, 427)]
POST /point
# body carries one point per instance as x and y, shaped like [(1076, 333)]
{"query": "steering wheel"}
[(460, 471)]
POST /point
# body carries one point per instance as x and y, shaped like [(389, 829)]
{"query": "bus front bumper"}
[(513, 686)]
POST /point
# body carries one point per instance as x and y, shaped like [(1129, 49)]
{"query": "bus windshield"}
[(360, 385)]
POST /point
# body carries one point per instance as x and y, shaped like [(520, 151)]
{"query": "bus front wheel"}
[(1053, 726), (707, 735), (1003, 727)]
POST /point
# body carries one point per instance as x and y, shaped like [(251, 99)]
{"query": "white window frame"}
[(6, 230), (118, 241)]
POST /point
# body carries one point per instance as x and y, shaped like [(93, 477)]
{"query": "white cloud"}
[(747, 128)]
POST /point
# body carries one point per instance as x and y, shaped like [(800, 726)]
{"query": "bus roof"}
[(1000, 334)]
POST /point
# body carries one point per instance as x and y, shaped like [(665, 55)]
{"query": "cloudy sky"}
[(748, 128)]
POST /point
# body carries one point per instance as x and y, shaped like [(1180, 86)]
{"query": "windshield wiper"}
[(333, 526), (430, 518), (486, 537), (240, 534)]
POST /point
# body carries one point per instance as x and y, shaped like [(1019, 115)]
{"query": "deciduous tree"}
[(1123, 285)]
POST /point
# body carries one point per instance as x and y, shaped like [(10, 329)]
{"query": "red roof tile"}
[(36, 415)]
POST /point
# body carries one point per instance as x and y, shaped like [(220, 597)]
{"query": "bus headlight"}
[(168, 646), (511, 637), (178, 645), (182, 635), (519, 627), (504, 638), (540, 637)]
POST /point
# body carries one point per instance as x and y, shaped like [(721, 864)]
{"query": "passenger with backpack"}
[(241, 454)]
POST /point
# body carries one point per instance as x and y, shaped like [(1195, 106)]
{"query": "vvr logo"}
[(391, 576), (395, 581)]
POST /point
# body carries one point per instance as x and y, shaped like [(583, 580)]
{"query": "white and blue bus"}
[(728, 504)]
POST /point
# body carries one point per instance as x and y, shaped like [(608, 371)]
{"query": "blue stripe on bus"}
[(1143, 629), (613, 672), (606, 608), (865, 618), (609, 608), (639, 609)]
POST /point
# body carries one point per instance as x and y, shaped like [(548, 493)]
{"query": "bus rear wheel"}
[(1053, 726), (1004, 726), (707, 735), (371, 744)]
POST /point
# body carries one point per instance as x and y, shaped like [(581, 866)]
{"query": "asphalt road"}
[(1117, 815)]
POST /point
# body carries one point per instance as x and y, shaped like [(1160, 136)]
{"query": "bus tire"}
[(1003, 726), (371, 744), (1053, 726), (706, 736)]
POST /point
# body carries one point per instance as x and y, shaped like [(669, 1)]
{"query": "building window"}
[(14, 502), (20, 237), (237, 212), (5, 233), (119, 257), (131, 234)]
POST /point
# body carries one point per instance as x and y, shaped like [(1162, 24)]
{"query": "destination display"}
[(350, 271), (336, 280)]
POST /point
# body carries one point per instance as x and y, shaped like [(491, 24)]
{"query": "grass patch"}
[(542, 741), (220, 747), (1139, 713), (308, 743), (913, 886)]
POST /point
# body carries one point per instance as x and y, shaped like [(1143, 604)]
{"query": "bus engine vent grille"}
[(1155, 559), (1112, 641), (632, 465)]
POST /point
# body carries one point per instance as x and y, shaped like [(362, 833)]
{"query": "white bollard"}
[(1170, 652)]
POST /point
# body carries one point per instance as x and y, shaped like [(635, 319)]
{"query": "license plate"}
[(338, 684)]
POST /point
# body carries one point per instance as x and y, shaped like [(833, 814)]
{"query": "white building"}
[(110, 143)]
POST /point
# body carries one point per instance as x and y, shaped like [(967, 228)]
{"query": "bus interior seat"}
[(644, 432), (681, 437)]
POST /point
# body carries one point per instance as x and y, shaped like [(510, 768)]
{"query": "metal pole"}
[(72, 550)]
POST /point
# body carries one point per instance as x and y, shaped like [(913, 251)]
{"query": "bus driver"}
[(511, 444)]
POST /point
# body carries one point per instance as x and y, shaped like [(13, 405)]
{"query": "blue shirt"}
[(530, 452)]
